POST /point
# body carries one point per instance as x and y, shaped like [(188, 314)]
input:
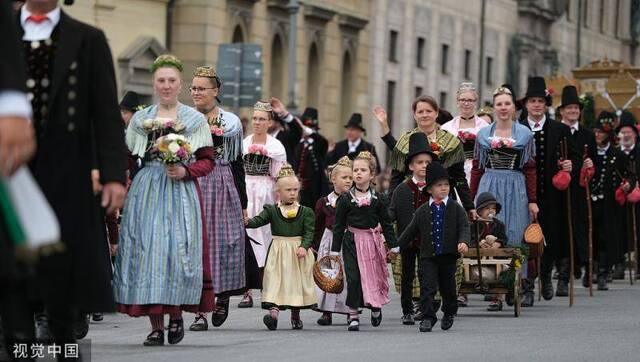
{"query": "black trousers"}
[(438, 273), (409, 257)]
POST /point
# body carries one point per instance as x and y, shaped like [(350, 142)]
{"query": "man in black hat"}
[(128, 106), (309, 159), (548, 135), (406, 199), (627, 131), (353, 144), (585, 142), (608, 215), (71, 84)]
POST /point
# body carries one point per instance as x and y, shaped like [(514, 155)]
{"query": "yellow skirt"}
[(288, 280)]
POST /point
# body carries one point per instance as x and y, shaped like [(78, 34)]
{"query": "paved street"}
[(602, 328)]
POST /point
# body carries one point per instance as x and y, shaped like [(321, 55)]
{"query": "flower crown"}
[(167, 60), (205, 71), (263, 106), (285, 171)]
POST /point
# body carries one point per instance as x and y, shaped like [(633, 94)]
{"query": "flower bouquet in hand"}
[(216, 126), (173, 148)]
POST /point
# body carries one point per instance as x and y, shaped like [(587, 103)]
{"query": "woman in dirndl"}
[(362, 218), (263, 156), (504, 165), (162, 264), (224, 197), (341, 177)]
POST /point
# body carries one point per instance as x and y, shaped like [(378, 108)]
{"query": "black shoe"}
[(578, 273), (97, 317), (326, 319), (495, 306), (527, 300), (562, 289), (200, 324), (585, 280), (426, 325), (220, 314), (375, 321), (547, 289), (43, 335), (447, 322), (156, 338), (81, 326), (602, 283), (176, 331), (270, 322), (296, 323), (246, 302), (354, 325), (408, 320)]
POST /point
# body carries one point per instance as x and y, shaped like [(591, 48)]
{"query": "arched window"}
[(346, 106), (313, 77), (238, 35), (277, 68)]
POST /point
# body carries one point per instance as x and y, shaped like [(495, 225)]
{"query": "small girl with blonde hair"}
[(288, 271), (362, 219), (341, 177)]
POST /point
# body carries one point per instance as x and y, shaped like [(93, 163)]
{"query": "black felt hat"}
[(517, 102), (570, 96), (130, 101), (435, 172), (485, 199), (627, 120), (310, 117), (419, 144), (355, 121), (537, 87), (605, 121)]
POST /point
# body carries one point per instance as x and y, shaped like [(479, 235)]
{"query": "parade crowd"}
[(170, 207)]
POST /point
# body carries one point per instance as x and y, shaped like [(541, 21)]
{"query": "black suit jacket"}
[(290, 136), (12, 78), (342, 149), (76, 128), (313, 177)]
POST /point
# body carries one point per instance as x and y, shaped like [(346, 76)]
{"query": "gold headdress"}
[(286, 171), (365, 155), (167, 60), (205, 71), (344, 161), (262, 106), (502, 90), (485, 110)]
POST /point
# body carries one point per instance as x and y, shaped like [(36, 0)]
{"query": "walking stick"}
[(634, 238), (590, 224), (564, 153)]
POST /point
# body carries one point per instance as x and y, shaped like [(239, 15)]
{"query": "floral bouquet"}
[(255, 149), (216, 126), (435, 148), (465, 136), (499, 142), (173, 148)]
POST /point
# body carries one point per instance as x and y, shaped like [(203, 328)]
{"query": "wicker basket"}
[(322, 274)]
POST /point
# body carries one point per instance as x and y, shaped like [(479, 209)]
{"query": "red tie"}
[(421, 184), (536, 125), (37, 18)]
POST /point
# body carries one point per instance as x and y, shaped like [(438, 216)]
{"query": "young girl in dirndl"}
[(362, 219), (341, 177), (288, 271)]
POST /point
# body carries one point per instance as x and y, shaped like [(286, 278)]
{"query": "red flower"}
[(435, 147), (549, 91), (606, 127)]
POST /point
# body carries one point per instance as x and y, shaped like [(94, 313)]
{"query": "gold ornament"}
[(365, 155), (205, 71), (263, 106), (286, 171)]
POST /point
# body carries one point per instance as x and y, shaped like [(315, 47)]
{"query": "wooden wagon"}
[(498, 259)]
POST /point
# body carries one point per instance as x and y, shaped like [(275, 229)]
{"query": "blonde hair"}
[(367, 156)]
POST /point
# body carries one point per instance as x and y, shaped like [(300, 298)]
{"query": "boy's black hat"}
[(627, 120), (419, 144), (436, 172), (485, 199)]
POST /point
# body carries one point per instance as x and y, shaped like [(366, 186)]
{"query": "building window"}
[(391, 96), (418, 92), (567, 10), (393, 44), (443, 100), (585, 13), (444, 66), (467, 64), (489, 71), (420, 54), (616, 31), (603, 15)]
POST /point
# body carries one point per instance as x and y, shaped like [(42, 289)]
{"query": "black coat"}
[(632, 175), (90, 121), (342, 149), (289, 136), (12, 78), (551, 201), (312, 177), (581, 138)]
